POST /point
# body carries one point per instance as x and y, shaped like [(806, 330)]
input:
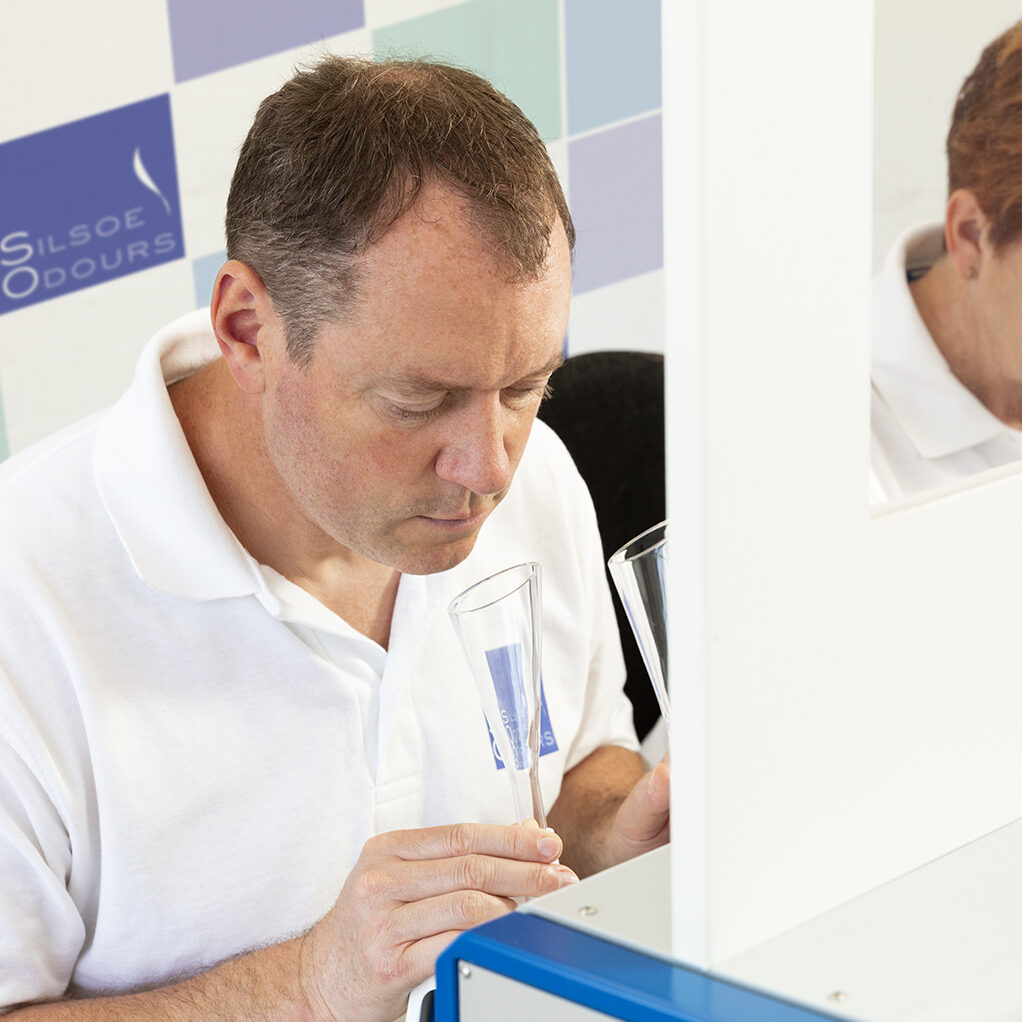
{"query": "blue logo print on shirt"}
[(505, 664)]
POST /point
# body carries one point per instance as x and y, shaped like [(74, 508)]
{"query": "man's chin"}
[(437, 558), (442, 559)]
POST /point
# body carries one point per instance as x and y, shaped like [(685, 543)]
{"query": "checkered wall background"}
[(122, 120)]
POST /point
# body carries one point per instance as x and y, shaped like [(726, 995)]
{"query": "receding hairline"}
[(410, 194), (349, 298)]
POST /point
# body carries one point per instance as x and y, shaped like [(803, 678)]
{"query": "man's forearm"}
[(262, 986)]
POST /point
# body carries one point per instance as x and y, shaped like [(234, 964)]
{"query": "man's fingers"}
[(447, 913), (414, 934), (519, 841), (504, 878)]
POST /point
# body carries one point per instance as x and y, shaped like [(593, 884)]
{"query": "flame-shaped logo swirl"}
[(143, 175)]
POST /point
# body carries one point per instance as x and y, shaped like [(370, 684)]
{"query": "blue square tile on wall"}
[(208, 37), (616, 192), (612, 60)]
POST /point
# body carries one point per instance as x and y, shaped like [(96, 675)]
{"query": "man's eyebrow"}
[(421, 384), (545, 370), (553, 365)]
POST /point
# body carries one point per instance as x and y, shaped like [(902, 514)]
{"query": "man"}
[(243, 772)]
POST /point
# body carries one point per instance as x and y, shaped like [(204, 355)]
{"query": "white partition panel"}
[(846, 688)]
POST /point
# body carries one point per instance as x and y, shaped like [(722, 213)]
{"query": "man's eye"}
[(411, 412)]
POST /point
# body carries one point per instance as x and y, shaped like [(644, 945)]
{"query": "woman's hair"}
[(341, 150), (984, 145)]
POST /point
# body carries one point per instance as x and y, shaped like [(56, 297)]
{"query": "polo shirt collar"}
[(937, 412), (151, 486)]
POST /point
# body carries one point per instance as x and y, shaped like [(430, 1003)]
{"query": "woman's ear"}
[(242, 315), (966, 233)]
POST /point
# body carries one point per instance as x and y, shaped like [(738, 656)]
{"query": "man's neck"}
[(226, 441), (946, 307)]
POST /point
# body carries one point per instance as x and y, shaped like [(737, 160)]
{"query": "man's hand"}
[(409, 895), (611, 808), (642, 820)]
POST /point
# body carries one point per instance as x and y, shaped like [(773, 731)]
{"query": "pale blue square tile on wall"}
[(616, 187), (612, 55), (515, 44), (209, 37)]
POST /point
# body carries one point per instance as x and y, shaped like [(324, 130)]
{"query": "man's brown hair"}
[(341, 150), (984, 145)]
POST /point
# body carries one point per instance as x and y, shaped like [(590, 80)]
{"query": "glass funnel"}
[(498, 621), (638, 570)]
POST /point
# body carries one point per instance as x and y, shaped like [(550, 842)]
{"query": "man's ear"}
[(966, 233), (243, 317)]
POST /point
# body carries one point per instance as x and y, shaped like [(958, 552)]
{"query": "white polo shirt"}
[(927, 428), (192, 750)]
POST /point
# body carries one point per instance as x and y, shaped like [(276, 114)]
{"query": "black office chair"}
[(608, 408)]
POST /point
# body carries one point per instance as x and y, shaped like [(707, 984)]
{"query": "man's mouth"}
[(456, 522)]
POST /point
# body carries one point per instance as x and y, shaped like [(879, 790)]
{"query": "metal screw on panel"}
[(587, 910), (464, 971), (838, 995)]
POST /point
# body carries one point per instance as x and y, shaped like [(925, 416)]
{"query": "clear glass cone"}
[(638, 570), (498, 621)]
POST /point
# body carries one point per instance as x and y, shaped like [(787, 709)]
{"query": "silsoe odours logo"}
[(88, 201), (505, 666)]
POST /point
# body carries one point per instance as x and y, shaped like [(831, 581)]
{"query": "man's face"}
[(404, 432), (997, 326)]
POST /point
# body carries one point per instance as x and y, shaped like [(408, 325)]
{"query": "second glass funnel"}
[(498, 621), (638, 570)]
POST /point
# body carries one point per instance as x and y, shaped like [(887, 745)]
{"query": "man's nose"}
[(474, 454)]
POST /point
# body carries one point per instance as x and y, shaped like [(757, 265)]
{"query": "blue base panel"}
[(618, 981)]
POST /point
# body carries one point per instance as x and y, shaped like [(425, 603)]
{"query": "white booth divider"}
[(844, 683)]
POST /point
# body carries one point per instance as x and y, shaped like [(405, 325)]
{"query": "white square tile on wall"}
[(626, 316), (212, 115), (388, 12), (64, 359), (558, 150), (63, 61)]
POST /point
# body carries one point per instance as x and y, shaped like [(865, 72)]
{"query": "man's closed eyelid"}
[(407, 411)]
